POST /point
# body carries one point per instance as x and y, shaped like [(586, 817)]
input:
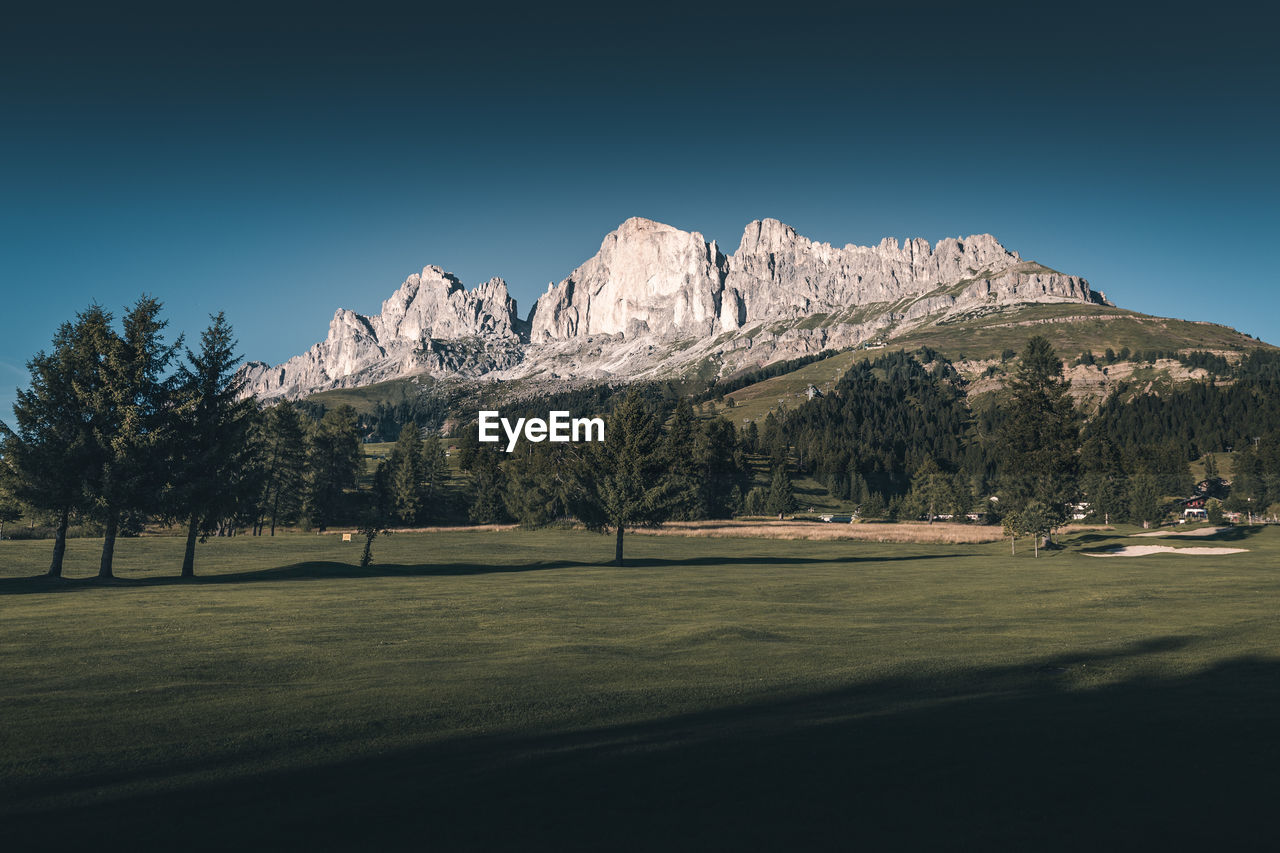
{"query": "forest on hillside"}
[(120, 430)]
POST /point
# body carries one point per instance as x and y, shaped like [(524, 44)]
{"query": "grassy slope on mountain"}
[(979, 341), (1072, 329), (365, 398), (756, 401)]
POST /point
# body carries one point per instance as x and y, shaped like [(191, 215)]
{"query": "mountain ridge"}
[(656, 299)]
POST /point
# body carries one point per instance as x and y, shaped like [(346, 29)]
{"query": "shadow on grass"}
[(1018, 757), (326, 570)]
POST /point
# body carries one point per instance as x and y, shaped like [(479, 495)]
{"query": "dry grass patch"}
[(937, 533)]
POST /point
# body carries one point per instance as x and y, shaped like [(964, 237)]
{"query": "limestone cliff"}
[(656, 300)]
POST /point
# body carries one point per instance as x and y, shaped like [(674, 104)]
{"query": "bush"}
[(1213, 509), (756, 501)]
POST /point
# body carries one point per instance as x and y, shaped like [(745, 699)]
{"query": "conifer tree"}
[(873, 506), (1040, 438), (52, 449), (407, 480), (210, 447), (128, 409), (1144, 499), (333, 464), (488, 482), (960, 497), (782, 498), (687, 498), (720, 468), (535, 493), (435, 474), (1213, 511), (1210, 467), (623, 482), (859, 492), (282, 448), (1103, 481), (931, 490)]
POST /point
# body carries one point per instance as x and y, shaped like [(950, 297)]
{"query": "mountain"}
[(658, 301)]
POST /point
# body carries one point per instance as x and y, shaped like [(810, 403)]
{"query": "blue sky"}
[(280, 164)]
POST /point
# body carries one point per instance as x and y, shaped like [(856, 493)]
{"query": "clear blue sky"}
[(280, 164)]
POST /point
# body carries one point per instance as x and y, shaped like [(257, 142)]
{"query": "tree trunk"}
[(1035, 543), (617, 551), (109, 545), (189, 556), (60, 543), (1013, 546)]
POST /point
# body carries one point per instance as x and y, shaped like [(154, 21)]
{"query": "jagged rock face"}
[(653, 278), (656, 299), (777, 273), (435, 305), (431, 323), (647, 278)]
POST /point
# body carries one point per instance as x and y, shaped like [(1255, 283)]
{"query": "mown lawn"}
[(506, 690)]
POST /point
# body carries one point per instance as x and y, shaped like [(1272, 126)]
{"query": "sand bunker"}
[(1204, 531), (1144, 550)]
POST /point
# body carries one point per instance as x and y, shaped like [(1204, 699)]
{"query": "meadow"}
[(505, 689)]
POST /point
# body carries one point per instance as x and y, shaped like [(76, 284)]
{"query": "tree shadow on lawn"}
[(323, 570), (1017, 757)]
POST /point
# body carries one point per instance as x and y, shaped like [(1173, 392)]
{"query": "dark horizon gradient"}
[(281, 165)]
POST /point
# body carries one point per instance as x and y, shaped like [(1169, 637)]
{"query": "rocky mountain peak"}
[(647, 278), (767, 235), (654, 288)]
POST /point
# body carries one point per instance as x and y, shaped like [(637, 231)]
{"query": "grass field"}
[(503, 689)]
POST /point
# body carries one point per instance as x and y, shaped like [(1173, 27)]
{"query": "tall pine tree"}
[(782, 498), (128, 410), (210, 447), (333, 465), (281, 447), (488, 482), (407, 480), (52, 450), (1040, 437), (624, 481)]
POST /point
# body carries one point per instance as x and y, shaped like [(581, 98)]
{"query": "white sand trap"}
[(1204, 531), (1144, 550)]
